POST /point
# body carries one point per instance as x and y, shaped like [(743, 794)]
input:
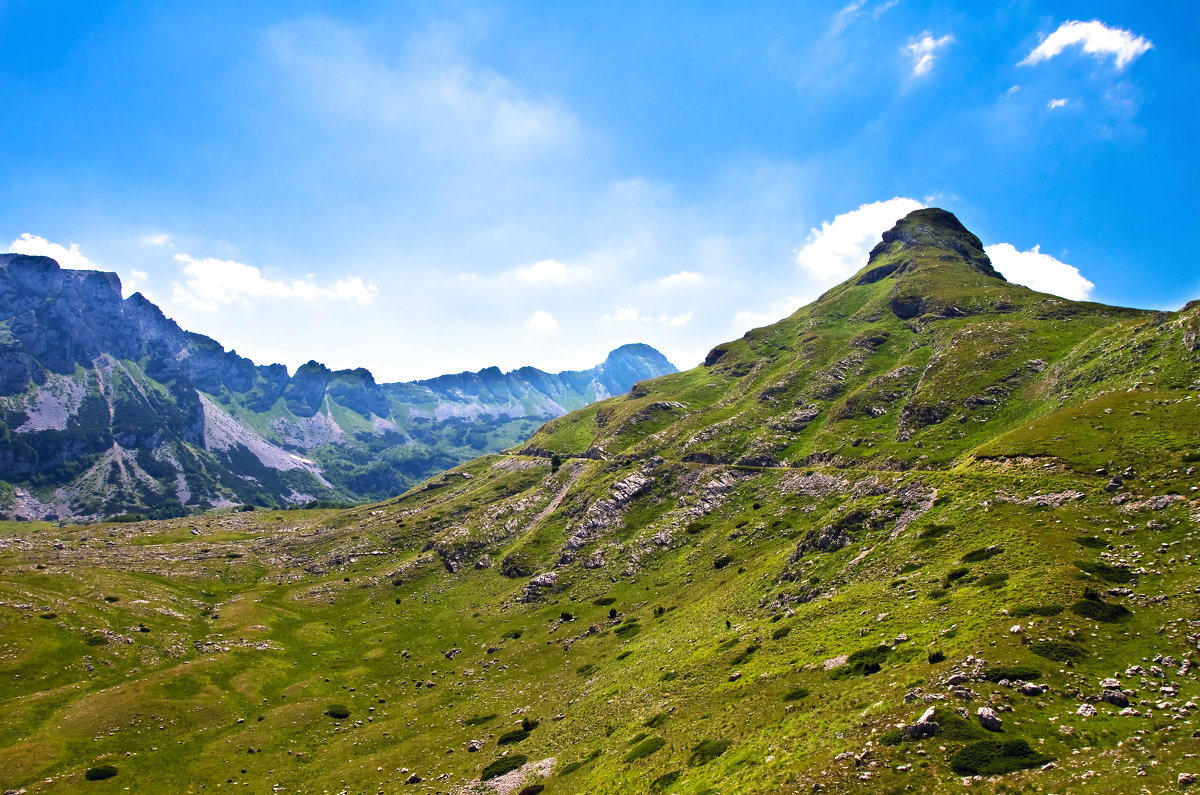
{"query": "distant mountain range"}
[(110, 407)]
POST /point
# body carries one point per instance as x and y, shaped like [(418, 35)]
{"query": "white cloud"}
[(211, 283), (682, 279), (629, 314), (1094, 38), (542, 321), (922, 50), (158, 240), (1039, 271), (853, 10), (775, 312), (1011, 92), (840, 247), (549, 271), (71, 258), (1057, 103)]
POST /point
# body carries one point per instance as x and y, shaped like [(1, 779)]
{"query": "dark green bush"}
[(707, 751), (936, 656), (994, 758), (624, 654), (1105, 571), (993, 580), (994, 673), (934, 531), (532, 789), (604, 601), (1024, 611), (795, 694), (892, 737), (669, 676), (584, 670), (529, 724), (745, 655), (1058, 650), (644, 748), (125, 517), (954, 727), (100, 772), (505, 764), (664, 781), (782, 632), (111, 599), (49, 615), (570, 767), (696, 527), (658, 720), (722, 561), (628, 629), (479, 720), (512, 634), (514, 736), (97, 640), (863, 662), (337, 712), (1100, 611), (566, 616), (976, 555), (956, 574), (1091, 542)]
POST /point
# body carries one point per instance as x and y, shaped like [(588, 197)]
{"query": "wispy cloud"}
[(212, 283), (778, 310), (682, 279), (71, 257), (629, 314), (1039, 271), (543, 321), (549, 271), (840, 247), (923, 49), (1094, 38), (1057, 103)]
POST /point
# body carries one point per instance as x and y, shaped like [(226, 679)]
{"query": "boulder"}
[(1115, 697), (988, 719)]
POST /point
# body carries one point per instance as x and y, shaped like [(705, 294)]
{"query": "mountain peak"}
[(930, 228)]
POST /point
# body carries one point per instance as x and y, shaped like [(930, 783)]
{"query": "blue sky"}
[(430, 187)]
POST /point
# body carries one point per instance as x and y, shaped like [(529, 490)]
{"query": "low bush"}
[(696, 527), (954, 727), (934, 531), (512, 634), (994, 673), (957, 574), (665, 780), (629, 629), (994, 758), (337, 712), (584, 670), (795, 694), (669, 676), (570, 767), (936, 656), (532, 789), (49, 615), (892, 737), (706, 751), (1098, 610), (1091, 542), (1105, 571), (1058, 650), (529, 724), (624, 654), (479, 720), (722, 561), (744, 655), (993, 580), (111, 599), (658, 720), (100, 772), (976, 555), (505, 764), (782, 632), (97, 640), (1024, 611), (514, 736), (644, 748), (604, 601), (125, 517), (863, 662)]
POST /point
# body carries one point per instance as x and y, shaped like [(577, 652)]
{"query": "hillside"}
[(109, 407), (934, 532)]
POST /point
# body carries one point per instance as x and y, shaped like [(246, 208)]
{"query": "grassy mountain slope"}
[(929, 490)]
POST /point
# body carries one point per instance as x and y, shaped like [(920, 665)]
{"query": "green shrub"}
[(512, 634), (795, 694), (745, 655), (514, 736), (1104, 571), (1091, 542), (532, 789), (97, 640), (604, 601), (976, 555), (629, 629), (994, 673), (892, 737), (125, 517), (954, 727), (782, 632), (658, 720), (956, 574), (570, 767), (1024, 611), (994, 758), (49, 615), (584, 670), (936, 656), (644, 748), (863, 662), (934, 531), (993, 580), (529, 724), (111, 599), (669, 676), (100, 772), (505, 764), (664, 781), (722, 561), (624, 654), (696, 527), (1058, 650), (479, 720), (707, 751), (1097, 610), (566, 616), (337, 712)]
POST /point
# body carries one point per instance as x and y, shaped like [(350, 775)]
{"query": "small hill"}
[(934, 532)]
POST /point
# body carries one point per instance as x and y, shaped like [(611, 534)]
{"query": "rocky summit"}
[(109, 408), (934, 532)]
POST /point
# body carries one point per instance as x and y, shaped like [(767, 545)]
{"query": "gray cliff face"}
[(109, 406)]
